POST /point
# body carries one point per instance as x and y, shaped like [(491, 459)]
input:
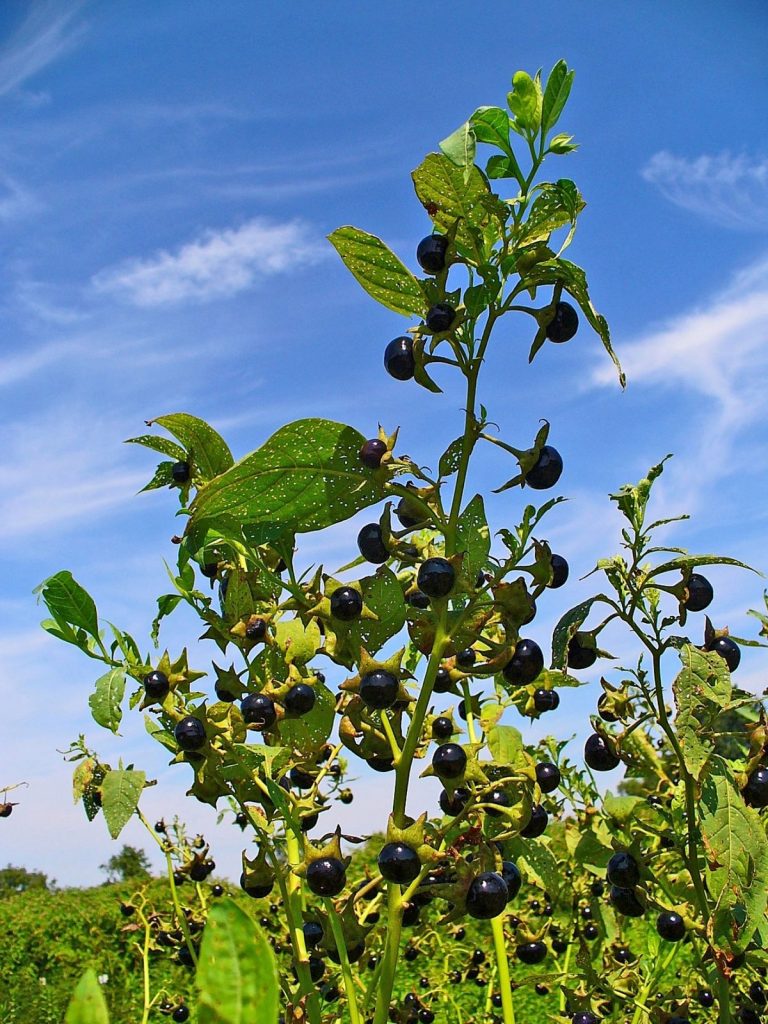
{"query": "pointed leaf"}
[(460, 146), (209, 451), (87, 1005), (441, 188), (556, 93), (379, 271), (160, 444), (120, 792), (68, 602), (473, 537), (105, 700)]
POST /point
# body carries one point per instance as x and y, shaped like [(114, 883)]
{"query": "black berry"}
[(546, 472), (381, 764), (497, 798), (465, 659), (180, 472), (487, 896), (256, 890), (625, 901), (417, 599), (453, 804), (563, 324), (399, 863), (525, 664), (180, 1014), (700, 593), (545, 700), (584, 1016), (623, 870), (580, 655), (600, 754), (559, 572), (300, 699), (537, 823), (370, 544), (440, 317), (706, 998), (313, 933), (670, 926), (756, 790), (372, 453), (449, 761), (442, 680), (728, 651), (531, 952), (259, 710), (190, 733), (442, 728), (326, 876), (398, 358), (436, 577), (156, 685), (346, 604), (256, 630), (547, 776), (431, 252), (379, 689), (511, 875)]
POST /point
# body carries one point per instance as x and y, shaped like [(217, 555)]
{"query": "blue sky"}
[(167, 179)]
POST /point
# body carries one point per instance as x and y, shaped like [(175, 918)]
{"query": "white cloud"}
[(15, 200), (216, 265), (730, 190), (48, 32)]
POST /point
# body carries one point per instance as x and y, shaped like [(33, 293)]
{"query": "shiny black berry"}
[(346, 604), (442, 680), (559, 572), (180, 1014), (379, 689), (259, 710), (546, 700), (180, 472), (525, 664), (313, 933), (546, 472), (190, 733), (398, 358), (256, 630), (624, 901), (399, 863), (728, 651), (700, 593), (440, 317), (757, 993), (531, 952), (756, 790), (706, 998), (453, 804), (600, 754), (442, 728), (326, 876), (512, 877), (300, 699), (256, 890), (563, 324), (623, 870), (584, 1016), (465, 659), (536, 824), (487, 896), (370, 544), (496, 798), (431, 252), (670, 926), (580, 655), (436, 577), (372, 453), (156, 685), (449, 761), (547, 776)]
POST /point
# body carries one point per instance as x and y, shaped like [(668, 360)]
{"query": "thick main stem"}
[(505, 986), (341, 948)]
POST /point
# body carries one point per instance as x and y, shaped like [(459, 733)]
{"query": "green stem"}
[(391, 951), (468, 711), (181, 917), (564, 975), (145, 971), (341, 947), (290, 888), (505, 986)]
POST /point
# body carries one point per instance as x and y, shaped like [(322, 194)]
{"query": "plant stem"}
[(500, 948), (564, 974), (290, 888), (341, 947), (145, 971), (391, 951)]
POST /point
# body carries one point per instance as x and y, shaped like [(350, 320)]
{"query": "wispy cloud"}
[(730, 190), (216, 265), (50, 30), (15, 200)]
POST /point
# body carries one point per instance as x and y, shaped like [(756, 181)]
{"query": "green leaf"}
[(299, 643), (539, 864), (576, 285), (236, 974), (621, 809), (163, 477), (383, 595), (309, 732), (525, 101), (505, 744), (701, 689), (501, 167), (473, 536), (556, 93), (106, 698), (69, 603), (557, 204), (441, 188), (569, 624), (737, 854), (87, 1005), (379, 271), (307, 476), (694, 561), (120, 794), (491, 125), (160, 444), (460, 146), (165, 605), (450, 460), (209, 451)]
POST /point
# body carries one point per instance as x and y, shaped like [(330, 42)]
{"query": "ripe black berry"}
[(180, 472), (453, 804), (623, 870), (316, 968), (525, 664), (256, 890), (512, 877), (313, 933), (259, 710), (465, 659), (346, 604), (326, 876), (563, 324), (399, 863), (559, 572), (256, 630), (728, 651), (625, 901), (449, 761), (756, 790), (380, 764), (217, 890), (623, 955), (398, 358), (190, 733), (583, 1016), (579, 655), (431, 252), (426, 1016), (546, 700), (180, 1014), (370, 544), (487, 896), (442, 680), (372, 453), (379, 689), (706, 998), (440, 317), (546, 472), (670, 926), (547, 776), (300, 699), (531, 952), (536, 824), (757, 993), (156, 685), (700, 593), (600, 754), (496, 798), (591, 931), (442, 728), (436, 577)]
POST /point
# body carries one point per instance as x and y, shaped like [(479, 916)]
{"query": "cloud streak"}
[(729, 190), (217, 265), (48, 32)]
